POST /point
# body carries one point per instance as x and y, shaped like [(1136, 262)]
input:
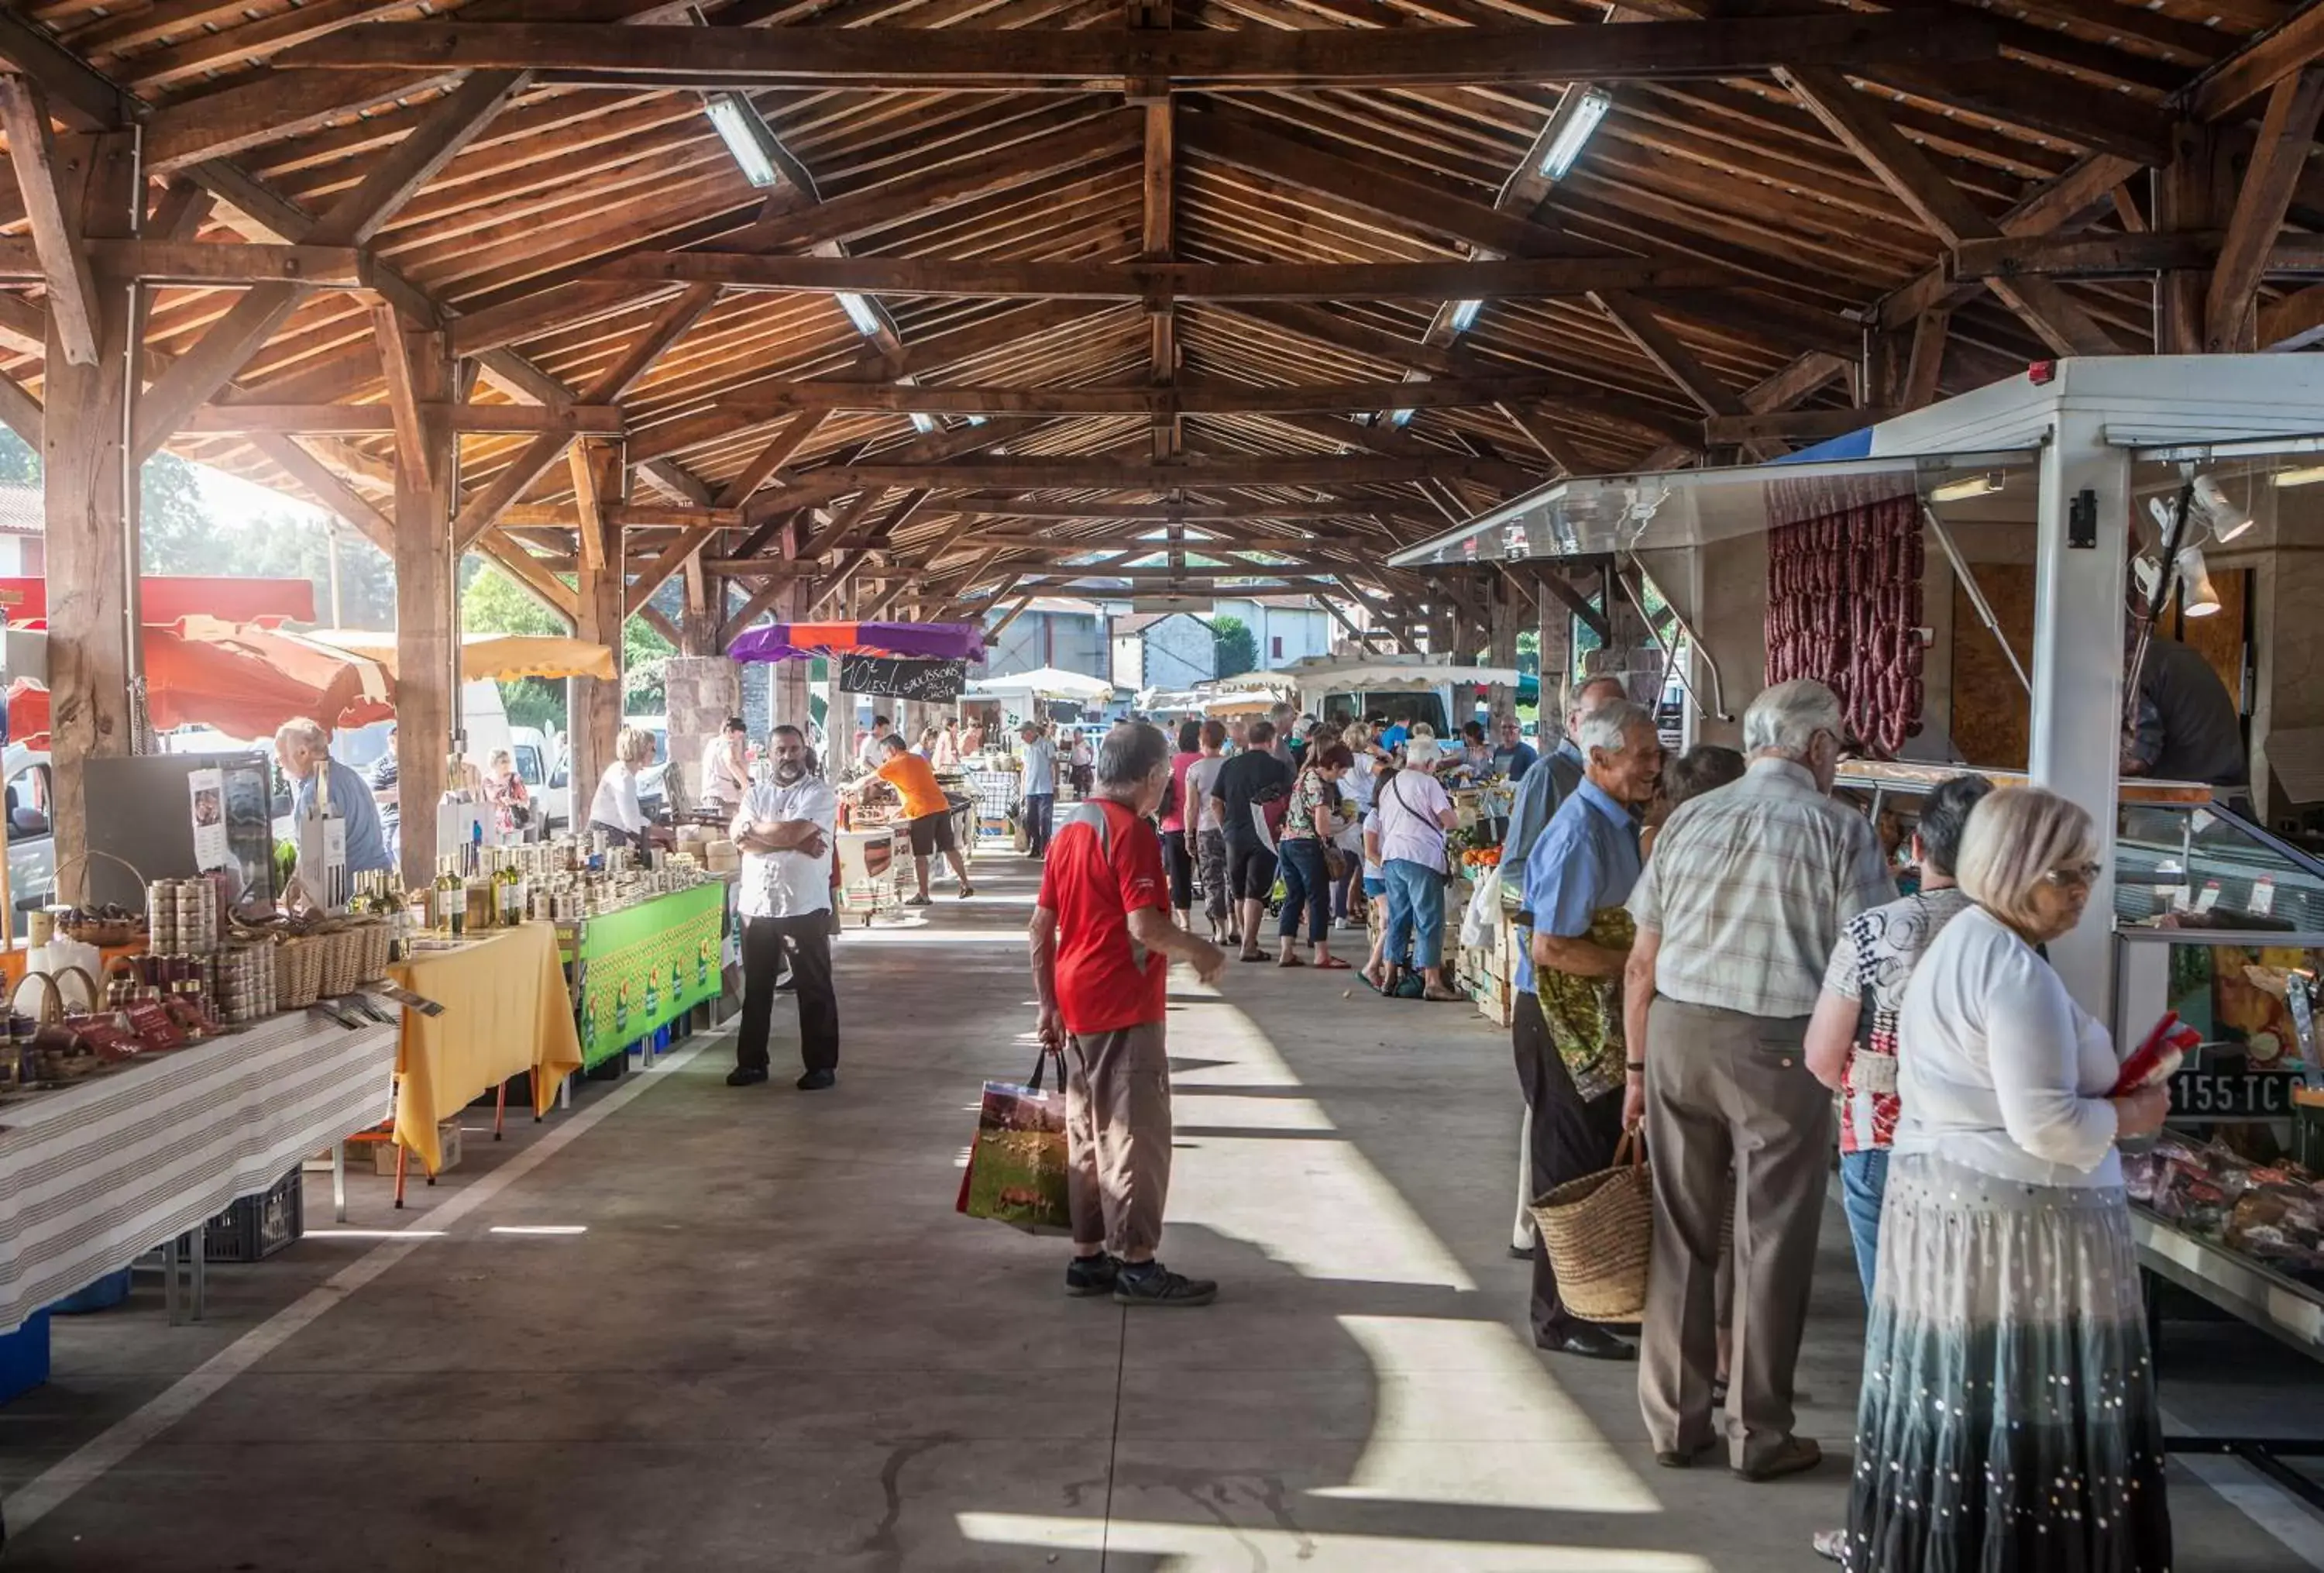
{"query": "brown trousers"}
[(1723, 1088), (1118, 1138)]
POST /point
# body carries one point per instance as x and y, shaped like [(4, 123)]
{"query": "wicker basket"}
[(299, 972), (1598, 1231), (343, 957), (378, 939)]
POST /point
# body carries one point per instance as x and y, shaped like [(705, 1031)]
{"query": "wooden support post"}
[(2184, 199), (596, 702), (1504, 613), (85, 490), (698, 628), (426, 567)]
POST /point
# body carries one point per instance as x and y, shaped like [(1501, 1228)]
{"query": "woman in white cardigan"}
[(2008, 1416)]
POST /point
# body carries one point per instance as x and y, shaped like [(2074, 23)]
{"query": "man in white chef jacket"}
[(785, 829)]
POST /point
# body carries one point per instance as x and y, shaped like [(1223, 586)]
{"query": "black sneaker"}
[(746, 1076), (817, 1080), (1151, 1283), (1092, 1275)]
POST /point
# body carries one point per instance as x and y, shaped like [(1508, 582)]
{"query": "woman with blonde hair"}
[(2008, 1417), (614, 812)]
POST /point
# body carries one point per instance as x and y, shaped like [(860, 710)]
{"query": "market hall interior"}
[(692, 1327)]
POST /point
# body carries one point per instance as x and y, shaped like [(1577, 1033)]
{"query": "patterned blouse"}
[(1872, 963), (1313, 801)]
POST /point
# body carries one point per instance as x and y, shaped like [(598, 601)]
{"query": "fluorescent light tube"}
[(2306, 477), (1464, 315), (1399, 417), (1576, 117), (740, 128), (860, 312), (923, 422), (1968, 487)]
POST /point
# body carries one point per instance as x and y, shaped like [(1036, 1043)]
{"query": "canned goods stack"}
[(245, 982), (181, 915)]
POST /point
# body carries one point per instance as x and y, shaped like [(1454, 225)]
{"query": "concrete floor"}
[(744, 1329)]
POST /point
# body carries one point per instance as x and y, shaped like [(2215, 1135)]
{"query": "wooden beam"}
[(1862, 127), (184, 262), (370, 420), (2293, 322), (315, 478), (2287, 136), (2289, 47), (1924, 368), (769, 400), (1033, 472), (21, 412), (2124, 256), (1661, 345), (1067, 60), (1190, 512), (351, 220), (888, 275), (589, 527), (51, 203), (566, 306), (1245, 141), (777, 453), (529, 575), (411, 443), (267, 105), (1787, 425), (666, 327), (2058, 204)]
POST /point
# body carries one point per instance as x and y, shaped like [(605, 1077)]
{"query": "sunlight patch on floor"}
[(1201, 1548), (1463, 1412), (1320, 1208)]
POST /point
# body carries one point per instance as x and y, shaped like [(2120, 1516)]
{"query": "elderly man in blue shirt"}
[(1545, 787), (304, 749), (1567, 1034)]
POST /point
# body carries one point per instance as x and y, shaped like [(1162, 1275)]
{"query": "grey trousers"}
[(1118, 1137), (1725, 1088)]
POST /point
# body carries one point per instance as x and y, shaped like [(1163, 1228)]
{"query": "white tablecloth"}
[(93, 1177)]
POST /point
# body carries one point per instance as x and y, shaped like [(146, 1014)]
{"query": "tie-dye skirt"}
[(2008, 1418)]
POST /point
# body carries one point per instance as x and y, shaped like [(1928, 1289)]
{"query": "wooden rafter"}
[(1067, 60), (52, 204)]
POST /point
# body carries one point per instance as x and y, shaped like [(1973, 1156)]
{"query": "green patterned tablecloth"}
[(644, 966)]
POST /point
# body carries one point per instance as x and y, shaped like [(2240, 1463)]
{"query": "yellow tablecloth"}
[(506, 1010)]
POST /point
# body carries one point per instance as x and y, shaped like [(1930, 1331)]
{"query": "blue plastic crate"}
[(106, 1294), (24, 1356)]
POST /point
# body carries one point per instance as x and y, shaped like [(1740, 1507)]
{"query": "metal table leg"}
[(339, 1181), (170, 1278), (198, 1241)]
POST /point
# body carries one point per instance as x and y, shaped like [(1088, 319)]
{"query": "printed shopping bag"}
[(1016, 1165)]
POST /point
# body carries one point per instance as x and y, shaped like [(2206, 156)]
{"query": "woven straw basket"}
[(1598, 1231), (299, 971)]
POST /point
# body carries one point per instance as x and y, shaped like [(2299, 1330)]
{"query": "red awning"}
[(192, 682), (170, 597)]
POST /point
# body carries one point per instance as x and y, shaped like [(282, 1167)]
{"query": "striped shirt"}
[(1749, 886)]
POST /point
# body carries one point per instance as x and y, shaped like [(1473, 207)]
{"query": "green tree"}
[(643, 652), (494, 603), (1233, 645)]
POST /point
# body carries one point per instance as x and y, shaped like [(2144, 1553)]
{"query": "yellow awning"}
[(499, 656)]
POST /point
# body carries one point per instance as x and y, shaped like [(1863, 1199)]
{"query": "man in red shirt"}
[(1102, 943)]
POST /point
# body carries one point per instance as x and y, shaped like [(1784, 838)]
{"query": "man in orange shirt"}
[(928, 814)]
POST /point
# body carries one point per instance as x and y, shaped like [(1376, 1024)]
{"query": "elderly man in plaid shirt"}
[(1737, 915)]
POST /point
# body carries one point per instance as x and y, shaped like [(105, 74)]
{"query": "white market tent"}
[(1383, 674), (1044, 683)]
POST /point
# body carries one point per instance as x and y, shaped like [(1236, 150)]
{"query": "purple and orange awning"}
[(798, 641)]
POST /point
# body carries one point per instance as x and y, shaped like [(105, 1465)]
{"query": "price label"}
[(2210, 898), (2262, 896), (2230, 1095)]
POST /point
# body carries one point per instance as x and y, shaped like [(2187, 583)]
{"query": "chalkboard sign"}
[(936, 683)]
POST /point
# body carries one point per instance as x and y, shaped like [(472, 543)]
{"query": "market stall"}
[(503, 1015), (95, 1174), (868, 883), (1957, 576), (641, 964)]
